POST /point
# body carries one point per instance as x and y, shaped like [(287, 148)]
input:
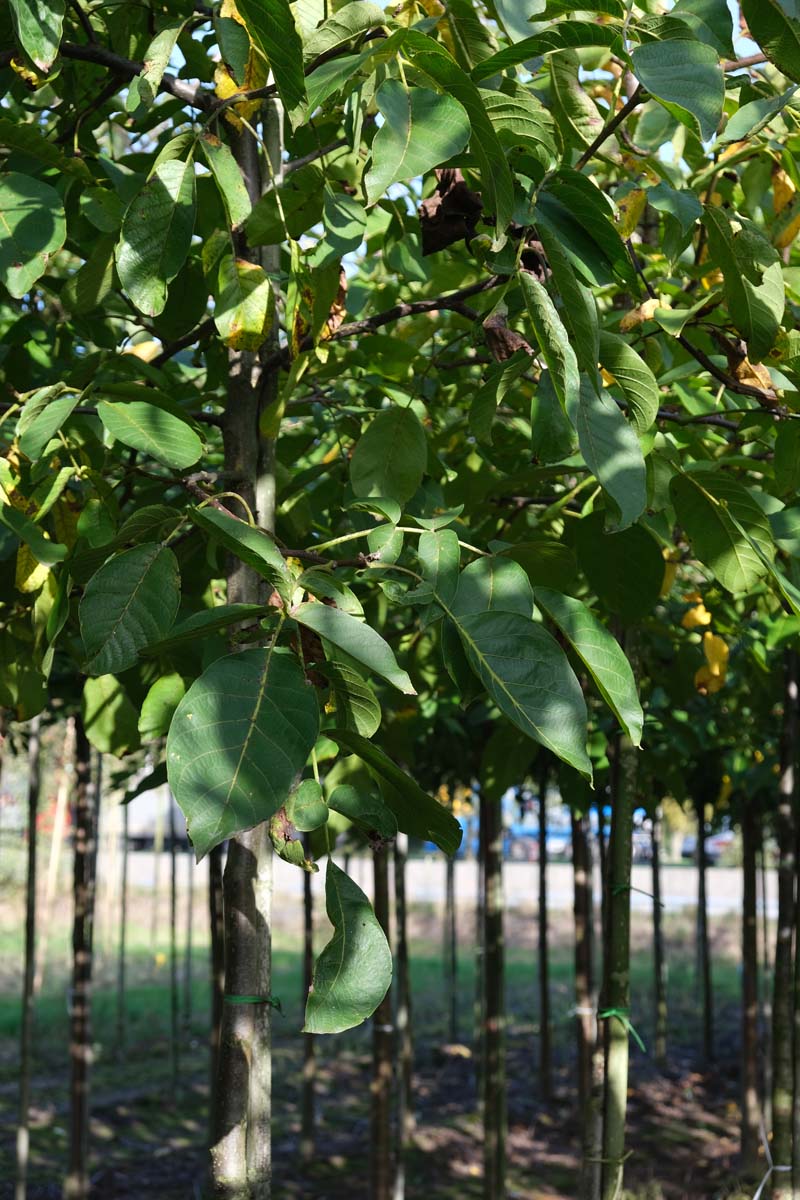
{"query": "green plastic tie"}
[(619, 888), (624, 1019), (272, 1001)]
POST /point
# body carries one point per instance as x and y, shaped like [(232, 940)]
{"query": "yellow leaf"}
[(783, 189), (629, 211), (706, 683), (637, 316), (30, 574), (758, 756), (607, 376), (697, 616), (789, 232)]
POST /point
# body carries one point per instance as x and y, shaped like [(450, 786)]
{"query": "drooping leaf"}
[(353, 973), (228, 178), (342, 27), (753, 279), (612, 452), (576, 113), (417, 813), (238, 743), (270, 24), (500, 379), (552, 435), (634, 377), (158, 707), (625, 569), (355, 704), (32, 228), (44, 550), (253, 546), (686, 77), (306, 807), (420, 130), (552, 338), (203, 624), (245, 304), (527, 675), (143, 88), (566, 35), (88, 287), (703, 502), (109, 717), (365, 809), (579, 311), (602, 655), (493, 583), (45, 425), (129, 603), (775, 26), (356, 639), (150, 429), (439, 555), (390, 456), (156, 234), (38, 26)]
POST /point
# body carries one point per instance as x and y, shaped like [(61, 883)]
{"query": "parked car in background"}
[(716, 845)]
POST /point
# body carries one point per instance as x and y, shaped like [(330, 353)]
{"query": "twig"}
[(750, 60), (85, 23), (630, 104)]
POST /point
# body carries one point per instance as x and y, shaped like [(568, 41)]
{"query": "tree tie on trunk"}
[(771, 1166), (623, 1017), (272, 1001)]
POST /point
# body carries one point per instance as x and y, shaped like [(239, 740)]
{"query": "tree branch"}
[(630, 104), (196, 97)]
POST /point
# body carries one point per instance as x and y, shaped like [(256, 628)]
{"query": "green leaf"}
[(493, 583), (612, 452), (348, 23), (576, 113), (635, 379), (228, 178), (566, 35), (253, 546), (602, 655), (775, 26), (38, 26), (238, 743), (353, 973), (356, 639), (156, 235), (270, 24), (245, 306), (579, 311), (626, 569), (364, 809), (29, 140), (440, 556), (306, 807), (496, 179), (527, 675), (158, 707), (345, 222), (41, 547), (109, 717), (88, 287), (500, 379), (203, 624), (788, 590), (686, 77), (290, 210), (157, 433), (143, 88), (356, 705), (552, 436), (129, 603), (710, 21), (704, 504), (286, 844), (787, 458), (417, 813), (751, 118), (521, 121), (553, 340), (45, 425), (420, 130), (390, 456), (32, 229), (753, 278)]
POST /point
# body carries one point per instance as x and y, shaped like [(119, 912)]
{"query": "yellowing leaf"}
[(607, 376), (637, 316), (695, 617), (789, 232), (754, 374), (30, 574), (711, 677), (629, 211), (783, 189)]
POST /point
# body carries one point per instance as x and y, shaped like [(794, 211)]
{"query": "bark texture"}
[(29, 970), (494, 1076), (381, 1174)]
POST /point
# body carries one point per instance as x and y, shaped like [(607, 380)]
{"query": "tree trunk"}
[(796, 1031), (174, 999), (26, 1026), (494, 1074), (76, 1186), (750, 1107), (544, 977), (241, 1150), (450, 950), (123, 935), (602, 849), (216, 971), (381, 1182), (703, 949), (187, 961), (616, 1007), (158, 854), (765, 986), (405, 1047), (56, 846), (307, 1103), (479, 1013), (782, 1016), (659, 961), (585, 1015)]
